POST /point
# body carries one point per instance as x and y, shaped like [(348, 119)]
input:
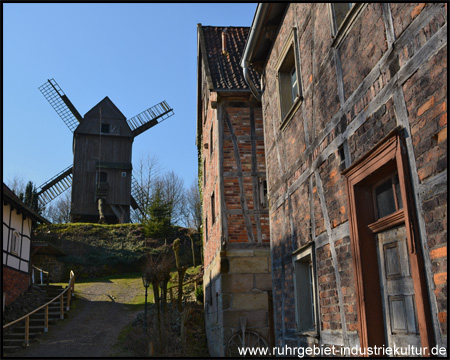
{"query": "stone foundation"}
[(237, 284)]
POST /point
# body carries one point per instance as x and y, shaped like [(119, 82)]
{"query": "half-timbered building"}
[(354, 100), (233, 183), (18, 221)]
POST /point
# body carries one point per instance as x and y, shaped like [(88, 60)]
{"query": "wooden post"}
[(69, 295), (27, 331), (46, 319), (62, 306)]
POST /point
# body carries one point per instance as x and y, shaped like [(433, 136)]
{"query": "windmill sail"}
[(55, 186), (61, 103), (137, 196), (149, 118)]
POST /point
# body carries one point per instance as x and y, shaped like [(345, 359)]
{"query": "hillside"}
[(94, 250)]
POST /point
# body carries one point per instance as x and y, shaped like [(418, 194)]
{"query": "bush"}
[(199, 294)]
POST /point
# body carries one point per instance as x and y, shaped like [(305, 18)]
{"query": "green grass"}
[(130, 280)]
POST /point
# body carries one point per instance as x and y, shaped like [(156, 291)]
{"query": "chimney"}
[(224, 42)]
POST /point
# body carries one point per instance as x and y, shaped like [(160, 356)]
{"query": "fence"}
[(41, 275), (69, 290)]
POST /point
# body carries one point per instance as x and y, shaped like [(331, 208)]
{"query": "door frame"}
[(388, 155)]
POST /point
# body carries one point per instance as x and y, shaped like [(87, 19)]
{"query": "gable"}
[(105, 112)]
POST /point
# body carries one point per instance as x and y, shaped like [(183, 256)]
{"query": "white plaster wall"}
[(25, 254), (13, 262), (16, 221), (24, 266)]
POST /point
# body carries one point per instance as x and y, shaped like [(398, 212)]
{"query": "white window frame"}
[(304, 260), (15, 240)]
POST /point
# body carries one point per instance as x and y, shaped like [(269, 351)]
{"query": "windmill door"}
[(397, 290)]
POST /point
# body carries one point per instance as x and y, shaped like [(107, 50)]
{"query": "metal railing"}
[(69, 290)]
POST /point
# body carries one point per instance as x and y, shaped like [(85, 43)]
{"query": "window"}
[(204, 173), (288, 76), (263, 193), (213, 209), (339, 12), (15, 243), (211, 139), (305, 289), (387, 197), (206, 229), (104, 128)]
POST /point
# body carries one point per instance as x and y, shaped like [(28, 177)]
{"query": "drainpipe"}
[(261, 11)]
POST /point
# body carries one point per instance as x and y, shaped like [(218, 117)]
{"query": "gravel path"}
[(92, 328)]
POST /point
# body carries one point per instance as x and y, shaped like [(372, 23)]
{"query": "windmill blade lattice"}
[(61, 103), (55, 186), (138, 196), (149, 118)]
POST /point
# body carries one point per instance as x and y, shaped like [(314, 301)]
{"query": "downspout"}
[(261, 11)]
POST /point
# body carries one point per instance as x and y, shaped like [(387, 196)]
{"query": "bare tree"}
[(59, 211), (192, 209), (173, 193), (145, 173), (17, 184)]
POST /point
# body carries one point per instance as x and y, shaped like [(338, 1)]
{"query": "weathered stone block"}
[(250, 301), (237, 283), (247, 265), (239, 253), (254, 318), (263, 281)]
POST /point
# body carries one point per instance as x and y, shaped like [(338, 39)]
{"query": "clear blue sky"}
[(136, 54)]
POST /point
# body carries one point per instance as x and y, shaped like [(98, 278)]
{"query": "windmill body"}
[(103, 188), (102, 166)]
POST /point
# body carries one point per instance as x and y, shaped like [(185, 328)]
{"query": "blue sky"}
[(136, 54)]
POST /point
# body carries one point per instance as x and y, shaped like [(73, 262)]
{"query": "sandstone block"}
[(237, 283), (249, 265), (263, 282), (250, 301), (254, 318)]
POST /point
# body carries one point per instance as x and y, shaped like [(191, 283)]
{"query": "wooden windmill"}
[(103, 188)]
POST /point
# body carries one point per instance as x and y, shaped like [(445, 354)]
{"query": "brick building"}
[(235, 215), (354, 103)]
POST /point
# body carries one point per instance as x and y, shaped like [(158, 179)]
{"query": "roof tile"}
[(225, 68)]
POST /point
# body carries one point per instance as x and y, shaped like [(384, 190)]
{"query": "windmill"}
[(101, 175)]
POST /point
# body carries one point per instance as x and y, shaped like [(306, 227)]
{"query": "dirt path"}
[(91, 328)]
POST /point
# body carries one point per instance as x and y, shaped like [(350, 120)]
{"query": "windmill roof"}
[(108, 110), (224, 67)]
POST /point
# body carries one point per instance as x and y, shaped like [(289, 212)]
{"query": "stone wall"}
[(238, 285), (56, 268)]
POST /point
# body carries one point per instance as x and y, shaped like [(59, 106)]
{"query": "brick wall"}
[(232, 172), (389, 70), (14, 283)]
